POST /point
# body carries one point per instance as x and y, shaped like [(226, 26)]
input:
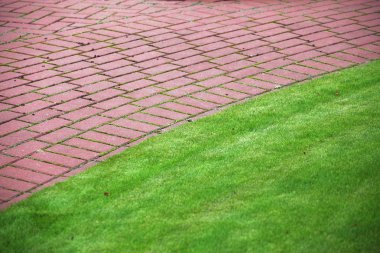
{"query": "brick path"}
[(82, 79)]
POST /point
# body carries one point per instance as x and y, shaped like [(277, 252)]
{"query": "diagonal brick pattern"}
[(81, 80)]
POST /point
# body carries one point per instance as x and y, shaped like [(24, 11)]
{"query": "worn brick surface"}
[(78, 80)]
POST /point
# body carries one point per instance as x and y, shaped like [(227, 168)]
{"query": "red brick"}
[(197, 103), (244, 88), (212, 98), (104, 138), (6, 160), (25, 175), (40, 115), (182, 108), (7, 194), (289, 74), (40, 166), (49, 125), (90, 122), (142, 127), (73, 104), (165, 113), (57, 159), (245, 72), (25, 148), (259, 84), (228, 93), (14, 184), (304, 70), (17, 137), (150, 119), (58, 135), (73, 152), (85, 144), (273, 79), (120, 131)]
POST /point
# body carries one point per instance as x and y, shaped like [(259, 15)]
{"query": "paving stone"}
[(83, 81)]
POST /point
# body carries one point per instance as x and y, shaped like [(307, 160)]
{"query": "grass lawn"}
[(295, 170)]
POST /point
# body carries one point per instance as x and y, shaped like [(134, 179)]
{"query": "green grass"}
[(295, 170)]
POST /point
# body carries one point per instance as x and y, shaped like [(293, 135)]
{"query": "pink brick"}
[(85, 144), (6, 160), (121, 71), (154, 100), (25, 148), (49, 81), (120, 131), (191, 60), (121, 111), (128, 78), (94, 87), (333, 61), (14, 184), (166, 113), (136, 85), (7, 194), (8, 115), (206, 74), (289, 74), (90, 122), (318, 65), (136, 125), (81, 113), (82, 73), (245, 72), (49, 125), (57, 88), (244, 88), (182, 108), (168, 76), (150, 119), (273, 79), (42, 75), (228, 93), (259, 84), (104, 138), (105, 94), (40, 115), (11, 126), (304, 70), (184, 90), (40, 166), (25, 175), (73, 152), (17, 137), (144, 92), (89, 79), (73, 104), (33, 106), (197, 103), (65, 96), (212, 98), (57, 159), (59, 135)]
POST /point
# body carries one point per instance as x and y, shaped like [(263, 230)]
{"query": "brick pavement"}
[(81, 80)]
